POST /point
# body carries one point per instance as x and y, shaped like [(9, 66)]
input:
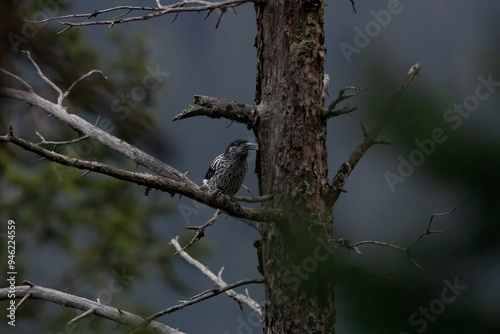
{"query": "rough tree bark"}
[(292, 164)]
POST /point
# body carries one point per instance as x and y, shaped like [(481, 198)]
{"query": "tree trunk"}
[(292, 165)]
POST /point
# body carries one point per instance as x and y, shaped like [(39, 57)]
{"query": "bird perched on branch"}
[(228, 170)]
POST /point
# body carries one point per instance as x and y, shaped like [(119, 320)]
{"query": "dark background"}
[(74, 233)]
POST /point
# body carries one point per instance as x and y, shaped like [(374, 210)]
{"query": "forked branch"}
[(354, 246), (123, 12), (200, 231), (332, 112), (371, 136), (217, 279)]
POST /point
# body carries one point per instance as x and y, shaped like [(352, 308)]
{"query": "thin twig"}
[(330, 112), (200, 230), (56, 143), (28, 295), (369, 138), (41, 75), (81, 316), (429, 231), (347, 244), (216, 279), (183, 6), (61, 98), (223, 287), (344, 111), (12, 75), (251, 223), (208, 294)]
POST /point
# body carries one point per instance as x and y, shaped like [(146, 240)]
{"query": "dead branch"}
[(30, 290), (370, 137), (217, 108), (344, 111), (216, 279), (150, 181), (206, 295), (223, 287), (183, 6), (354, 246), (24, 83), (200, 231), (56, 143), (94, 132), (331, 112)]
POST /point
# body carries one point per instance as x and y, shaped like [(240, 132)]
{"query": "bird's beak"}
[(252, 146)]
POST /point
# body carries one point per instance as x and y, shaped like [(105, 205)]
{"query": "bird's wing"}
[(213, 167)]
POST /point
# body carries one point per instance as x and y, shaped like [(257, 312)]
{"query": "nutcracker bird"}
[(228, 170)]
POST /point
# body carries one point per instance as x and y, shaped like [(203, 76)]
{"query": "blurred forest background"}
[(79, 234)]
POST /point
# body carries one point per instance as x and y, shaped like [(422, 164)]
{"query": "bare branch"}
[(217, 108), (429, 231), (83, 315), (76, 122), (200, 231), (47, 80), (330, 112), (183, 6), (346, 110), (206, 295), (77, 81), (12, 75), (216, 279), (370, 137), (49, 142), (252, 223), (119, 316), (228, 205), (347, 244)]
